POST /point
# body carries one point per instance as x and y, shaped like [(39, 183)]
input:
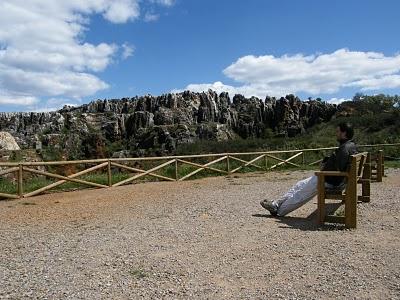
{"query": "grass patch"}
[(340, 212), (7, 186), (392, 164), (138, 273)]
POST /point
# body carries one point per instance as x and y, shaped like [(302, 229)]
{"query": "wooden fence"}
[(227, 163)]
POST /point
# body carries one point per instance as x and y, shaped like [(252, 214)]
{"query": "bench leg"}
[(366, 181), (321, 202), (380, 167), (351, 210), (366, 191)]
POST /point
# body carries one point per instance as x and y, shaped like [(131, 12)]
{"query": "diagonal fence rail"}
[(169, 168)]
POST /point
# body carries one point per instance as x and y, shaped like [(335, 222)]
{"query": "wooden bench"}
[(377, 166), (359, 173)]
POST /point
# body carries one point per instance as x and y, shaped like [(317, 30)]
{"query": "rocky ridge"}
[(133, 126)]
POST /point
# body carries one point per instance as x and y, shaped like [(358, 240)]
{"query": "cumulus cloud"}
[(121, 11), (43, 52), (313, 74), (220, 87), (376, 83), (150, 15), (24, 100), (127, 50)]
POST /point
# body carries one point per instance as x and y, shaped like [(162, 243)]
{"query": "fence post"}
[(228, 167), (266, 162), (176, 170), (303, 158), (380, 167), (109, 173), (20, 181)]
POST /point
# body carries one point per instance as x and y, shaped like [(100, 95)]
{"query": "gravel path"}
[(203, 239)]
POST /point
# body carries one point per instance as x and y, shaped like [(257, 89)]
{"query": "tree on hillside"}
[(358, 97), (376, 103)]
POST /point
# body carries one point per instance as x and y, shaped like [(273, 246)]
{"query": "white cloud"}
[(47, 83), (220, 87), (53, 104), (127, 50), (338, 100), (314, 74), (43, 52), (19, 100), (376, 83), (164, 2), (121, 11), (150, 17)]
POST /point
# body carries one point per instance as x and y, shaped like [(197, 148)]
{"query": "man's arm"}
[(329, 163), (342, 160), (343, 156)]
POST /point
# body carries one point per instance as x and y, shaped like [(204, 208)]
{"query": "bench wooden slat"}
[(331, 173), (377, 166), (334, 196), (335, 219)]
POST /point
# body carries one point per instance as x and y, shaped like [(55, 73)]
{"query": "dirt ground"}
[(202, 239)]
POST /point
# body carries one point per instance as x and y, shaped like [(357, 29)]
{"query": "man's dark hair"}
[(348, 128)]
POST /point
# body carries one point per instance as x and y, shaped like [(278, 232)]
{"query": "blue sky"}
[(328, 49)]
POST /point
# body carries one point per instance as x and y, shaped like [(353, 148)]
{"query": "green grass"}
[(138, 273), (7, 186), (392, 164)]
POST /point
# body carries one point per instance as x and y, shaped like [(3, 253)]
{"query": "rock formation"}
[(132, 126), (7, 142)]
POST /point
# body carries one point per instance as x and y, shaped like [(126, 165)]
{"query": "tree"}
[(358, 97)]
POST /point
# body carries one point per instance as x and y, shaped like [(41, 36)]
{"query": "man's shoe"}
[(270, 206)]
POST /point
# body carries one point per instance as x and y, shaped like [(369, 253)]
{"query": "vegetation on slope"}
[(376, 120)]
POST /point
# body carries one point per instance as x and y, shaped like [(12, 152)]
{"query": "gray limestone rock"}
[(161, 123), (7, 142)]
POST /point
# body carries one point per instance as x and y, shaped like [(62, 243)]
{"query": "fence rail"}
[(221, 163)]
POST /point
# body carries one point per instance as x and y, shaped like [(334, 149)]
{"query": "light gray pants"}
[(299, 194)]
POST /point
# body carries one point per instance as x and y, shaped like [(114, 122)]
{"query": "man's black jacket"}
[(339, 161)]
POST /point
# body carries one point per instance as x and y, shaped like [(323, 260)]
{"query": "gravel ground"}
[(203, 239)]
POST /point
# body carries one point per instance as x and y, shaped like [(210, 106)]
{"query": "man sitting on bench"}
[(304, 190)]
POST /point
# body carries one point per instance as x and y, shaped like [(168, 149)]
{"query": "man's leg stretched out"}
[(302, 192)]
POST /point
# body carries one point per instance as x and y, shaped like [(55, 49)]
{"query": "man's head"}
[(344, 131)]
